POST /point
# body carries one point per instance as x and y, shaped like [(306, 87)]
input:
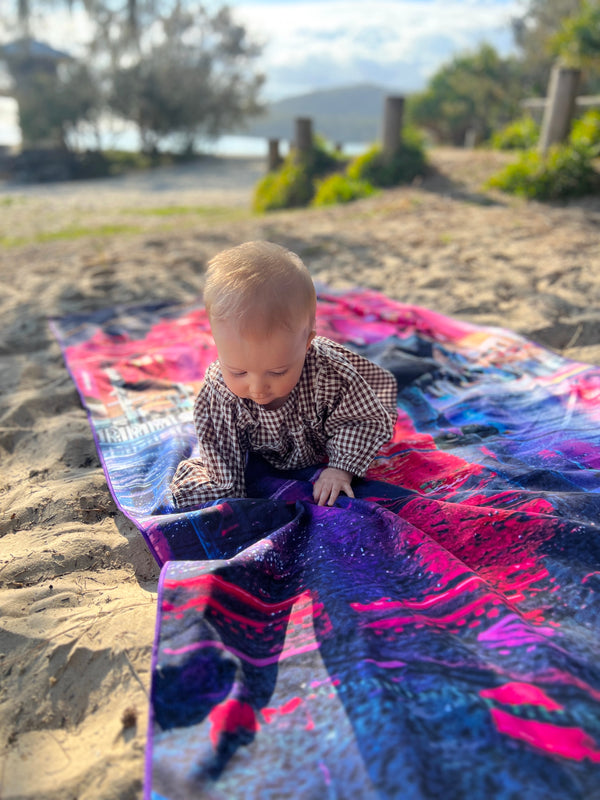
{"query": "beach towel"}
[(437, 636)]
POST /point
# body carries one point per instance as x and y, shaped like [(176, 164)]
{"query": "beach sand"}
[(77, 584)]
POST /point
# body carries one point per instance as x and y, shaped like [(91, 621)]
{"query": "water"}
[(9, 127), (253, 146)]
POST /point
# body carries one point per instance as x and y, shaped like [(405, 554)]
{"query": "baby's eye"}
[(238, 374), (278, 374)]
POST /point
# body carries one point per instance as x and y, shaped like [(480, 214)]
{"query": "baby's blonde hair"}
[(259, 285)]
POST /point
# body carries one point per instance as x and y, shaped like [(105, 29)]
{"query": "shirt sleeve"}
[(218, 471), (381, 381), (361, 416)]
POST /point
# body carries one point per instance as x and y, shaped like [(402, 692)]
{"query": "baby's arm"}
[(330, 483), (218, 471), (356, 427)]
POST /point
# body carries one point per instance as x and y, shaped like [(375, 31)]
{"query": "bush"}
[(404, 166), (290, 186), (564, 171), (323, 159), (585, 133), (519, 135), (293, 184), (341, 189)]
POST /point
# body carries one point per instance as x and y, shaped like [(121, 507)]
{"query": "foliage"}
[(177, 70), (52, 102), (473, 92), (297, 182), (293, 184), (564, 171), (578, 40), (585, 133), (404, 166), (290, 186), (339, 188), (195, 80), (536, 34), (518, 135), (323, 159)]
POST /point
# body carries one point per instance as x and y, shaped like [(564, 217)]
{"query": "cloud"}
[(400, 43), (311, 45)]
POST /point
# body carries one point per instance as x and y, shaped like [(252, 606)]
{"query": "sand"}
[(77, 584)]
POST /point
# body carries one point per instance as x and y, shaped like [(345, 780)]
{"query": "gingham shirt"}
[(342, 410)]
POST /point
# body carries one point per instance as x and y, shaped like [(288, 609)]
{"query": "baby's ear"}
[(311, 336)]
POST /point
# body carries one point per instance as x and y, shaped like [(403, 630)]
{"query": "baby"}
[(277, 389)]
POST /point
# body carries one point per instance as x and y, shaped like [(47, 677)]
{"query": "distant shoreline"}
[(209, 174)]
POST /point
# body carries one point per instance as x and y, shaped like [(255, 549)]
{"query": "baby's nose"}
[(258, 386)]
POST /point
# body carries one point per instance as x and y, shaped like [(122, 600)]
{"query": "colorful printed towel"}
[(437, 636)]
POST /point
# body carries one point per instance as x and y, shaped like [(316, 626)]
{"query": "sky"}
[(313, 44), (321, 44)]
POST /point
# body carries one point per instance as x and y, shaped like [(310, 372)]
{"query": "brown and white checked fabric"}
[(342, 410)]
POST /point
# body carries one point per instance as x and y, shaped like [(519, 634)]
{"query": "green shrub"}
[(323, 159), (340, 189), (404, 166), (290, 186), (413, 136), (519, 135), (293, 184), (564, 171), (585, 133)]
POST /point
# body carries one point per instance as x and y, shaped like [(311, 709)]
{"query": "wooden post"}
[(470, 138), (303, 138), (392, 125), (274, 159), (560, 106)]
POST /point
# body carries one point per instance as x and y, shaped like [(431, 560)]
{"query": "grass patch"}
[(199, 211), (78, 232), (83, 231), (68, 234)]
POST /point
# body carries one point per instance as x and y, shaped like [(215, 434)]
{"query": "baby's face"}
[(264, 369)]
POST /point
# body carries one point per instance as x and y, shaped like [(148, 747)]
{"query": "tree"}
[(478, 92), (53, 92), (578, 40), (537, 34), (186, 72), (129, 10), (193, 77), (51, 106)]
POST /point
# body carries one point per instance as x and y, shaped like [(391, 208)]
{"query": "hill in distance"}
[(350, 114)]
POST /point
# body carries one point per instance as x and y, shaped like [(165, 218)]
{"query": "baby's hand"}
[(330, 483)]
